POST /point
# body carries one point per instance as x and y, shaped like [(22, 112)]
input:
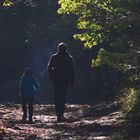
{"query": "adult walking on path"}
[(61, 71)]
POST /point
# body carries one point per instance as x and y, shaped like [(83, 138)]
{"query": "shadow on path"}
[(84, 122)]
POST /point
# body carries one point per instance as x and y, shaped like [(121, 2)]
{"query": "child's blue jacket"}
[(28, 86)]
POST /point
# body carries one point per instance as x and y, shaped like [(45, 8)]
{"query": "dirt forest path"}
[(85, 122)]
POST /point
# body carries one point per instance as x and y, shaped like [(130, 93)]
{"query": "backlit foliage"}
[(91, 14), (113, 21), (7, 3), (130, 95)]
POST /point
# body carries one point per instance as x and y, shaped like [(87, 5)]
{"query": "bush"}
[(128, 99)]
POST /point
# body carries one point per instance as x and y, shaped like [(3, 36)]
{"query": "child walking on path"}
[(28, 90)]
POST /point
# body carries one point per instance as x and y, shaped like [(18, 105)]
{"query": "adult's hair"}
[(62, 47)]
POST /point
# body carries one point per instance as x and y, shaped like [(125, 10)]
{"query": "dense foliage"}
[(116, 25), (109, 30), (115, 22)]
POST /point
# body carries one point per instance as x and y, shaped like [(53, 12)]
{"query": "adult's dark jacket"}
[(61, 68)]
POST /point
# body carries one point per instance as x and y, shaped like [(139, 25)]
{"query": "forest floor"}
[(84, 122)]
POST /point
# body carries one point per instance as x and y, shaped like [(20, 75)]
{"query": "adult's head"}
[(62, 48), (28, 71)]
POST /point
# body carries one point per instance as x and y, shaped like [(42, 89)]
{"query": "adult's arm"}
[(51, 67), (72, 71)]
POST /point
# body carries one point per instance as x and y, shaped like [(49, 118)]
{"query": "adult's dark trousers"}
[(27, 104), (60, 93)]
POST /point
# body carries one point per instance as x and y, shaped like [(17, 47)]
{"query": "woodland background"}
[(103, 37)]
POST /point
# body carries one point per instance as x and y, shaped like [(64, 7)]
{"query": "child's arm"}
[(36, 84)]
